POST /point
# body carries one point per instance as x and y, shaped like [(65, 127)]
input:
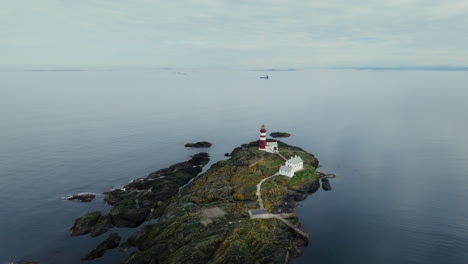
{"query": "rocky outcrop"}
[(141, 199), (201, 144), (83, 197), (111, 242), (326, 184), (93, 223), (325, 175), (280, 134)]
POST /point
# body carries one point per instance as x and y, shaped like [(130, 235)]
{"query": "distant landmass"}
[(56, 70), (275, 70), (408, 68)]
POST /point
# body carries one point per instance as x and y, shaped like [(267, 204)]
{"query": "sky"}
[(238, 34)]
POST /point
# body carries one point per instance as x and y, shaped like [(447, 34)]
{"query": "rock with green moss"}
[(85, 223), (208, 221)]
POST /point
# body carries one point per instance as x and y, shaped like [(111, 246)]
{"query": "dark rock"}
[(85, 224), (126, 216), (83, 197), (113, 197), (125, 246), (200, 159), (93, 223), (326, 184), (227, 154), (279, 134), (111, 242), (325, 175), (103, 225), (201, 144)]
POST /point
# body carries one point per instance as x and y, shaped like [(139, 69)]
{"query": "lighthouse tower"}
[(263, 143)]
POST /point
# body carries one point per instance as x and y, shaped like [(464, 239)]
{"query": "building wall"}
[(286, 173)]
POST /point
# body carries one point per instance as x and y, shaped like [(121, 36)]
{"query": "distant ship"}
[(264, 77)]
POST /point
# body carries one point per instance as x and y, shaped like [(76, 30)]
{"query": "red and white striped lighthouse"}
[(263, 142)]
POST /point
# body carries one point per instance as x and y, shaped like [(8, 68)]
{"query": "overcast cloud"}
[(234, 34)]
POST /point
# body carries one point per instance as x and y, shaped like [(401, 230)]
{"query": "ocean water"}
[(397, 141)]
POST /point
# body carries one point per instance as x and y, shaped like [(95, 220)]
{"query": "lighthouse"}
[(263, 142)]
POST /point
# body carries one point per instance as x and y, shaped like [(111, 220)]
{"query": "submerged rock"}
[(201, 144), (279, 134), (111, 242), (83, 197)]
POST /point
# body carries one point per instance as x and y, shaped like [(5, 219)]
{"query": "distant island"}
[(407, 68), (239, 211), (55, 70), (279, 134), (275, 70)]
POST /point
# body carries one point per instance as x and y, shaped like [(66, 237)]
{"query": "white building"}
[(286, 171), (272, 147), (292, 165)]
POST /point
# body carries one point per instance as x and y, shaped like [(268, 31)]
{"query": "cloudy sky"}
[(234, 34)]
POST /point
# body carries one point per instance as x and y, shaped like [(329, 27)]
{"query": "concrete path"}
[(281, 156), (259, 187)]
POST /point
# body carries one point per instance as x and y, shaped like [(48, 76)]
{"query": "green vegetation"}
[(274, 163), (305, 175)]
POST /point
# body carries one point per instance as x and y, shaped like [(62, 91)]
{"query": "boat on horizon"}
[(264, 77)]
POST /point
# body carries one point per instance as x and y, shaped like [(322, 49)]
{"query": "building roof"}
[(295, 160), (286, 168)]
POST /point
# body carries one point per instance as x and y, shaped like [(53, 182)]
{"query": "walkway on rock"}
[(281, 156), (259, 187), (265, 215)]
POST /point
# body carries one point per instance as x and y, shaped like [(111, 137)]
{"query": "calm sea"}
[(397, 140)]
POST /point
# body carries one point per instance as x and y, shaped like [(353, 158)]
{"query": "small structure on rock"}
[(291, 166)]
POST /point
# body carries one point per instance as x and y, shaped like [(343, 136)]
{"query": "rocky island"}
[(201, 144), (279, 134), (239, 211)]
